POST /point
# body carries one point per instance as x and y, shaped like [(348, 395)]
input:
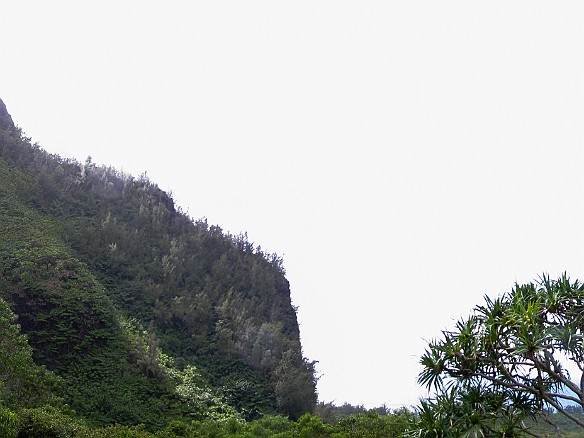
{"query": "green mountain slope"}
[(142, 314)]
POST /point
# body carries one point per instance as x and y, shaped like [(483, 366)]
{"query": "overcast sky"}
[(405, 158)]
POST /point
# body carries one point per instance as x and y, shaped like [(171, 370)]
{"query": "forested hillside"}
[(120, 316), (133, 313)]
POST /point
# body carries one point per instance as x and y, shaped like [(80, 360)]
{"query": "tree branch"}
[(573, 387)]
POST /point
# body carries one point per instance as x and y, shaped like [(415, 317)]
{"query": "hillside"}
[(133, 312)]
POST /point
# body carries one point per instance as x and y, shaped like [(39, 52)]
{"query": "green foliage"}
[(371, 424), (9, 423), (119, 431), (312, 426), (504, 363), (51, 422), (467, 412), (295, 385), (47, 422), (194, 390), (146, 316), (22, 382)]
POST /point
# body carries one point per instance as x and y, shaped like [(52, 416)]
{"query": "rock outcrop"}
[(5, 119)]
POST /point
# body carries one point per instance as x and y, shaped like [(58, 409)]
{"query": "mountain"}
[(120, 308), (5, 119)]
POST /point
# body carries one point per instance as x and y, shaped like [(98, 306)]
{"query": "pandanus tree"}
[(507, 361)]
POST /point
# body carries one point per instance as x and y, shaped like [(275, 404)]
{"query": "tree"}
[(512, 352), (295, 385), (468, 412)]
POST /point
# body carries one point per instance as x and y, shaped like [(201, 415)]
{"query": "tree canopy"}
[(509, 360)]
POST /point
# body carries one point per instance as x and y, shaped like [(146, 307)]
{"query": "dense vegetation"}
[(121, 316), (137, 313)]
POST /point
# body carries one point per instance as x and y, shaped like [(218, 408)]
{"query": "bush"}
[(47, 422), (119, 431), (372, 424), (8, 423), (312, 426)]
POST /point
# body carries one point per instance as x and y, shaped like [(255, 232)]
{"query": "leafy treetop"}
[(512, 352)]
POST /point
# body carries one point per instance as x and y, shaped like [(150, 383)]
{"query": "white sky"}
[(405, 158)]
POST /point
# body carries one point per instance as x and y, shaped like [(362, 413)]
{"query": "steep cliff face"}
[(5, 119), (146, 314)]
